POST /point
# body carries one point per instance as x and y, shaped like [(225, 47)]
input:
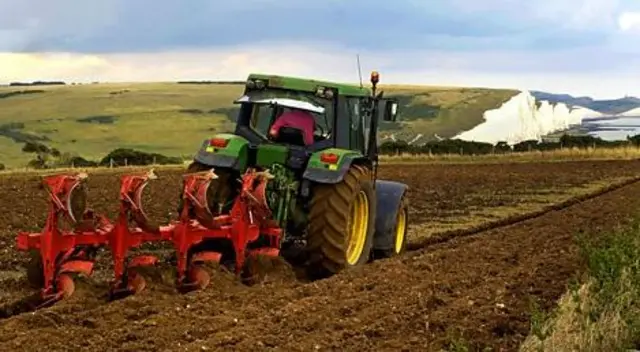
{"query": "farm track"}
[(416, 302)]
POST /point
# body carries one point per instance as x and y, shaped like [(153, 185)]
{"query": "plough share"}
[(64, 252)]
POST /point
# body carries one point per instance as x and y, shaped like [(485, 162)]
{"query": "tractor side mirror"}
[(390, 110)]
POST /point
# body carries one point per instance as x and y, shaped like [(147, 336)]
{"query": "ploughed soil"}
[(473, 289)]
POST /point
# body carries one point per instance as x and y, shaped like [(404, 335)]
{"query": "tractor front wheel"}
[(341, 223)]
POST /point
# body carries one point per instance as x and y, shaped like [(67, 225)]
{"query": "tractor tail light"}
[(218, 142), (329, 158)]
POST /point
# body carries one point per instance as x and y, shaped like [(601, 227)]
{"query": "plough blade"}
[(64, 252), (64, 289), (203, 257), (199, 276), (77, 266), (143, 260), (133, 284), (66, 286)]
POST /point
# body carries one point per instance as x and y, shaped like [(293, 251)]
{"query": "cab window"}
[(263, 116), (359, 123)]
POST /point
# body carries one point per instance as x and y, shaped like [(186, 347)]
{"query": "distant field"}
[(94, 119), (172, 119), (557, 155)]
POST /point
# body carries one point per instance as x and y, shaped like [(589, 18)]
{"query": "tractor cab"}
[(300, 123), (288, 120)]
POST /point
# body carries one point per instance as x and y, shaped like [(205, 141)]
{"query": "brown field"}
[(485, 240)]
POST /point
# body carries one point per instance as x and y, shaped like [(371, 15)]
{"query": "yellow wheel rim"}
[(400, 229), (358, 229)]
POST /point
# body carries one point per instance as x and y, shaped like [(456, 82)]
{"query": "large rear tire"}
[(341, 223)]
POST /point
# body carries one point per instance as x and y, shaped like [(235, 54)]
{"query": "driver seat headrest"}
[(289, 135)]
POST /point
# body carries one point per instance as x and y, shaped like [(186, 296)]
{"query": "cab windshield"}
[(267, 106)]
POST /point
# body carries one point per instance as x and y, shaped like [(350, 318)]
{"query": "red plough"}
[(66, 252)]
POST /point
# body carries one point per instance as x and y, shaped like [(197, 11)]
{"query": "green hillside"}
[(445, 111), (172, 119)]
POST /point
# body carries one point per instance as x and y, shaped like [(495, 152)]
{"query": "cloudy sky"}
[(582, 47)]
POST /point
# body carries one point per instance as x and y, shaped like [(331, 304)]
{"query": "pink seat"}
[(299, 119)]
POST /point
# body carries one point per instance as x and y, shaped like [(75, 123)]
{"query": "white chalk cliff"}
[(519, 119), (633, 112)]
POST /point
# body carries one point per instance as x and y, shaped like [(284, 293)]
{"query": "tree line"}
[(458, 146), (45, 157)]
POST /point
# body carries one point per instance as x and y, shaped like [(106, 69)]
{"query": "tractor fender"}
[(388, 197), (233, 156), (323, 174)]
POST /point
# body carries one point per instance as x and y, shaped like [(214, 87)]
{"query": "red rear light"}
[(218, 142), (329, 158)]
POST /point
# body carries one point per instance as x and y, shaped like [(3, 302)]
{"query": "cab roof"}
[(310, 85)]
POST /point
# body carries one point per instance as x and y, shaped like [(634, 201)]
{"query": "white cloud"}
[(629, 21), (230, 63), (519, 70)]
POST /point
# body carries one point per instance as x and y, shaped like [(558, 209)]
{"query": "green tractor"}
[(324, 192)]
